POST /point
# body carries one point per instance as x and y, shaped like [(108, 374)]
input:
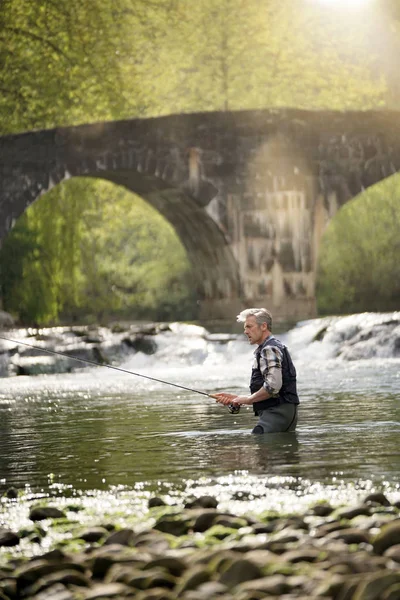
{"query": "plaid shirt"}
[(271, 368)]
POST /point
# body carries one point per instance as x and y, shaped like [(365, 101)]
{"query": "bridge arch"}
[(249, 192)]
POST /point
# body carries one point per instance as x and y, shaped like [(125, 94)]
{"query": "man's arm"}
[(271, 369)]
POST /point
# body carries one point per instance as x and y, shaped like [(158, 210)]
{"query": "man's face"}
[(256, 334)]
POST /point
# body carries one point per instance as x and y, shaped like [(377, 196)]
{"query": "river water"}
[(99, 431)]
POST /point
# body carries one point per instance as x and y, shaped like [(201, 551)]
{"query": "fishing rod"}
[(96, 364)]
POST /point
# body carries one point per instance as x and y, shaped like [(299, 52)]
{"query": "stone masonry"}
[(248, 193)]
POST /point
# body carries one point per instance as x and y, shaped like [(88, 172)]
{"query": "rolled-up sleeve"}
[(271, 369)]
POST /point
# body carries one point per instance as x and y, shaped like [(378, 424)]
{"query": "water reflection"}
[(98, 428)]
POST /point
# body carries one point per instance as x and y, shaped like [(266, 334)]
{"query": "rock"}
[(155, 594), (156, 501), (205, 520), (58, 591), (94, 534), (392, 593), (373, 587), (66, 577), (27, 574), (326, 528), (191, 579), (202, 502), (149, 578), (393, 552), (39, 513), (330, 586), (351, 536), (174, 524), (388, 536), (107, 590), (230, 522), (350, 513), (309, 555), (8, 538), (274, 585), (377, 498), (321, 510), (240, 571), (11, 493), (173, 565), (123, 536), (141, 343), (8, 586)]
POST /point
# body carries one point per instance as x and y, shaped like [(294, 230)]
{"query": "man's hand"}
[(226, 398)]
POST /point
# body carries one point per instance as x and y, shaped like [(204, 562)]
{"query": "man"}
[(273, 392)]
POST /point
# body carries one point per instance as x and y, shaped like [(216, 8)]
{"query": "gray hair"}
[(262, 315)]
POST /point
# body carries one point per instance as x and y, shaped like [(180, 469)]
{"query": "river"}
[(97, 431)]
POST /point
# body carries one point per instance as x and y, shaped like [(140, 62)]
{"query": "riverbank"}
[(197, 551)]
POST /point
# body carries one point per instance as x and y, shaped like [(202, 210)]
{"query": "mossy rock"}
[(192, 578), (220, 532), (239, 571), (375, 586), (387, 537), (175, 525)]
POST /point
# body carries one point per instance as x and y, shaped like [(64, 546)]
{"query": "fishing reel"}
[(233, 409)]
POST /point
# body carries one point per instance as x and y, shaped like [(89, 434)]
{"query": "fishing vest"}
[(288, 391)]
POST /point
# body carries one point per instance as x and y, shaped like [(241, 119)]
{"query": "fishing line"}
[(96, 364)]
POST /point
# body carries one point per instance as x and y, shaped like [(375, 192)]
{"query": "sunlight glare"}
[(348, 3)]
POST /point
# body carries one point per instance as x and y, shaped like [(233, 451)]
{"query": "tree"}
[(359, 268), (92, 249)]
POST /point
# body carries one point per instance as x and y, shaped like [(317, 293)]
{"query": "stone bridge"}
[(248, 193)]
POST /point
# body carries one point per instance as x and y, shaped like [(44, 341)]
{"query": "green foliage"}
[(65, 62), (359, 266), (91, 248)]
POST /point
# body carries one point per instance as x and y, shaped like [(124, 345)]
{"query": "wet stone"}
[(275, 585), (11, 493), (94, 534), (8, 586), (232, 522), (109, 590), (155, 594), (309, 555), (374, 586), (67, 577), (192, 578), (173, 565), (156, 501), (351, 536), (39, 513), (205, 520), (55, 592), (331, 586), (8, 538), (350, 513), (393, 553), (202, 502), (392, 593), (322, 510), (326, 528), (124, 537), (239, 571), (387, 537), (150, 578), (32, 571), (173, 524), (377, 498)]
